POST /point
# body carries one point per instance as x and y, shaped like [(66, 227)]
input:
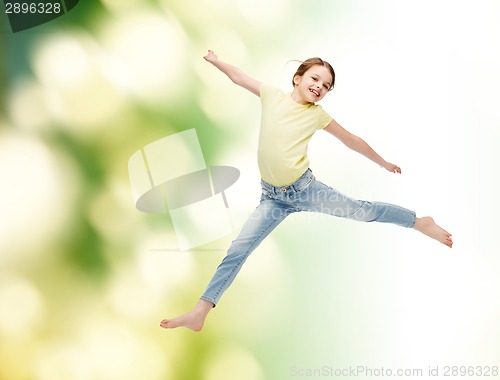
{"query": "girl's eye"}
[(325, 86), (314, 79)]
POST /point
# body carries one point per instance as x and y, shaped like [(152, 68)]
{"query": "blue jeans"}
[(276, 203)]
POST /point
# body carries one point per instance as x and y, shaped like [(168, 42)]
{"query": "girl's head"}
[(309, 63), (312, 80)]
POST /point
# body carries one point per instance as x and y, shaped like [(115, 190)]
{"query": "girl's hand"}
[(392, 168), (234, 73), (210, 57)]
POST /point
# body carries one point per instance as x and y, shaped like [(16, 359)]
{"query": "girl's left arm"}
[(359, 145)]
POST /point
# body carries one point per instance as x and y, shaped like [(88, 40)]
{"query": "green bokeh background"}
[(85, 278)]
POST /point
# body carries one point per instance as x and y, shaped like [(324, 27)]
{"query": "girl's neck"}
[(295, 96)]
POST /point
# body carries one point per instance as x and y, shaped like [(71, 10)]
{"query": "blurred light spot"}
[(63, 60), (244, 195), (21, 307), (148, 49), (35, 197), (119, 6), (161, 270), (62, 361), (72, 71), (126, 291), (232, 362), (224, 114), (227, 44), (26, 106), (229, 47), (16, 355), (266, 267), (222, 101), (119, 353), (117, 74), (110, 211), (208, 13), (266, 274), (201, 222), (264, 13)]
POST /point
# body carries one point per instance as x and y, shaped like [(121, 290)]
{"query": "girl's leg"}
[(261, 222), (319, 197)]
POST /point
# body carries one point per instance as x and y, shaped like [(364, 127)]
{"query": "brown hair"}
[(308, 63)]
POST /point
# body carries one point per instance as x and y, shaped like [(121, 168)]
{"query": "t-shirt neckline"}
[(289, 96)]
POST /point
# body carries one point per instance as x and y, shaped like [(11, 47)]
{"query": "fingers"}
[(394, 169), (211, 56)]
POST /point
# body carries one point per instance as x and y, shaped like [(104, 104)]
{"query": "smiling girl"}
[(289, 120)]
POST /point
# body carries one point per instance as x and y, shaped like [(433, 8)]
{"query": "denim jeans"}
[(276, 203)]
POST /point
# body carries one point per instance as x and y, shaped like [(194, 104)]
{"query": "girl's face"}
[(313, 85)]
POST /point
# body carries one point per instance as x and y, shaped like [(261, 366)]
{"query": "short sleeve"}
[(324, 118), (267, 91)]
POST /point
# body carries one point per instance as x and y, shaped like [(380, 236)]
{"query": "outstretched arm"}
[(234, 73), (359, 145)]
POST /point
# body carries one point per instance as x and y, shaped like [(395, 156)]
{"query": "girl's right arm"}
[(359, 145), (234, 73)]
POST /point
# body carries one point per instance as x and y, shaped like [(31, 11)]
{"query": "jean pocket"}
[(265, 193), (306, 185)]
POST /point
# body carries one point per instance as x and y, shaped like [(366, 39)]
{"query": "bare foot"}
[(193, 319), (428, 227)]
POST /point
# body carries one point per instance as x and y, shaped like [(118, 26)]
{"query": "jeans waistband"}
[(298, 185)]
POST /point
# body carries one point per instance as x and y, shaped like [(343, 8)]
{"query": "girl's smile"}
[(312, 86), (314, 92)]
